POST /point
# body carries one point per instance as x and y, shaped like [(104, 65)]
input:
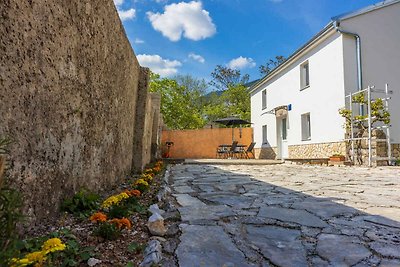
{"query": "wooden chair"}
[(249, 149)]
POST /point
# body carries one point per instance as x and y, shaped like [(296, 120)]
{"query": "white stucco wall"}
[(380, 46), (322, 99)]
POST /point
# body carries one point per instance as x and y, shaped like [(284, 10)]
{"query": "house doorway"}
[(282, 127)]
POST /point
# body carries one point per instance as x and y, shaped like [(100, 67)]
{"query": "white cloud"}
[(157, 64), (118, 2), (241, 63), (198, 58), (187, 19), (127, 14), (124, 14), (139, 41)]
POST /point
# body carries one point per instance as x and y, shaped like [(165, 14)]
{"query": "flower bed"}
[(114, 232)]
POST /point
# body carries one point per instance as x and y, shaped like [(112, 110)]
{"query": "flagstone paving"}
[(287, 215)]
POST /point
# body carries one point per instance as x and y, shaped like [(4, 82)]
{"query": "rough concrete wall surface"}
[(68, 85), (140, 120), (202, 143), (156, 127)]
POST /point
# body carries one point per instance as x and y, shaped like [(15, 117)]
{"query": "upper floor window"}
[(304, 75), (264, 99)]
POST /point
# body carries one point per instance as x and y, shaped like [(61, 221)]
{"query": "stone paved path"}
[(287, 215)]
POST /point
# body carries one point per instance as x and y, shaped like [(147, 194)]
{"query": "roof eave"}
[(364, 10)]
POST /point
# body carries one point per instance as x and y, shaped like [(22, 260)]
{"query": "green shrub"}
[(107, 231), (82, 204), (125, 208), (10, 216)]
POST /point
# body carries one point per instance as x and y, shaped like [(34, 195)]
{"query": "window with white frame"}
[(304, 75), (264, 134), (305, 127), (264, 99)]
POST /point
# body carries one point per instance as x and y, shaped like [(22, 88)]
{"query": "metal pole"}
[(369, 127), (351, 129), (388, 128)]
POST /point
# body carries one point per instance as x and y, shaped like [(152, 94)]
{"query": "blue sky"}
[(192, 37)]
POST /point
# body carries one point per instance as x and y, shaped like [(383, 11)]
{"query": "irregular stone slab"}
[(280, 199), (193, 213), (236, 201), (184, 189), (187, 200), (280, 245), (226, 187), (207, 188), (290, 215), (386, 249), (381, 221), (390, 263), (341, 250), (325, 209), (208, 246)]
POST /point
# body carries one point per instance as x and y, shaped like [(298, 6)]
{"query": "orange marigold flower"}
[(98, 217), (126, 223), (122, 223), (135, 193), (156, 169)]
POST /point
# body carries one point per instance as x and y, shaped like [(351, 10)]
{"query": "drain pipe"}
[(358, 48)]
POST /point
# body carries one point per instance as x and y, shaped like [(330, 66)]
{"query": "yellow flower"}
[(53, 244), (113, 200), (141, 182), (20, 262), (35, 257)]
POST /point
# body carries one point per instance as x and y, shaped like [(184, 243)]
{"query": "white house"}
[(294, 109)]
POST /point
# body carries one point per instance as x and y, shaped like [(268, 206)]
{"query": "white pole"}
[(351, 129), (369, 128), (388, 128)]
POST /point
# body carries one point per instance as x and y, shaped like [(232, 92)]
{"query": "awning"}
[(279, 111)]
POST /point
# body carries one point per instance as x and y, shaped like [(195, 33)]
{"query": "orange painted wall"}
[(202, 143)]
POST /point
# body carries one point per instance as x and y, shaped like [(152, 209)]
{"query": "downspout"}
[(358, 48)]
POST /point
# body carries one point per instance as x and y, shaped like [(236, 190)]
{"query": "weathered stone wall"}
[(147, 124), (320, 150), (396, 150), (266, 152), (156, 127), (68, 92)]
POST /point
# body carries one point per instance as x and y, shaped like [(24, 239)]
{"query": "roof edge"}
[(364, 10), (291, 58)]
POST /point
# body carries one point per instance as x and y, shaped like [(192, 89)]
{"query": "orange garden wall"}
[(202, 143)]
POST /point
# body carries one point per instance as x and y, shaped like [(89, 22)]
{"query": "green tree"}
[(179, 101), (271, 65), (234, 101), (224, 77)]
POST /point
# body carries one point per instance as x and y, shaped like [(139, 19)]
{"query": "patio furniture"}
[(233, 149), (222, 151), (249, 149), (232, 121)]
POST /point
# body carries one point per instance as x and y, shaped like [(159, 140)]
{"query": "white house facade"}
[(294, 109)]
